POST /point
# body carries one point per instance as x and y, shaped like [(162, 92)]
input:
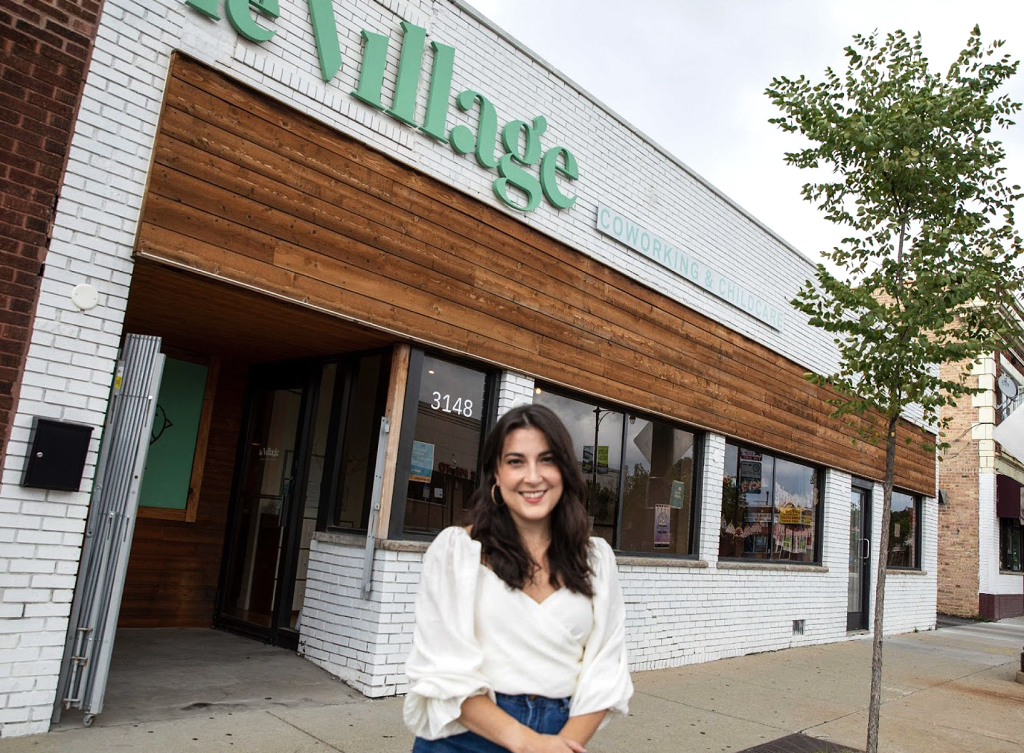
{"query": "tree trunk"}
[(875, 704)]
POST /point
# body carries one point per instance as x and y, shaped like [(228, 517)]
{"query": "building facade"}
[(980, 570), (357, 235)]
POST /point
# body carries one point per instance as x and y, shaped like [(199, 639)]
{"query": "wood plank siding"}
[(251, 191)]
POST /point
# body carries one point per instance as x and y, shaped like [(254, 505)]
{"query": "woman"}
[(519, 643)]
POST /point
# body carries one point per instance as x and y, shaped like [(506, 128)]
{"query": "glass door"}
[(860, 559), (273, 511)]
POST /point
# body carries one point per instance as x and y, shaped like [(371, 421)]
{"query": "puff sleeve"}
[(604, 681), (444, 665)]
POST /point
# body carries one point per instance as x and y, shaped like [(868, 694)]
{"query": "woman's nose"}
[(532, 472)]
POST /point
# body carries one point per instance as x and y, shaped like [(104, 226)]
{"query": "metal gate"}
[(109, 528)]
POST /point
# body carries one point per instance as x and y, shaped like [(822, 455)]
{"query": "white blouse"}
[(475, 635)]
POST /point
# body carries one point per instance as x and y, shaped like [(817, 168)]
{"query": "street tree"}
[(931, 259)]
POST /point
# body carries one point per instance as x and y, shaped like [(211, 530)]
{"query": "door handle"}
[(866, 548)]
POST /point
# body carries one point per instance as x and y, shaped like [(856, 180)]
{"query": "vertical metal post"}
[(371, 526)]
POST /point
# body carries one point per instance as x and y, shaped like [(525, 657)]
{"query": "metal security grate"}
[(109, 529)]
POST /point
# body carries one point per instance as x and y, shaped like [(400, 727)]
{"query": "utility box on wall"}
[(56, 456)]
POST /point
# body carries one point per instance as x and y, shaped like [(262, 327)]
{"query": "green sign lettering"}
[(462, 138), (325, 34), (550, 169), (517, 186), (371, 73), (436, 122), (245, 24), (207, 7)]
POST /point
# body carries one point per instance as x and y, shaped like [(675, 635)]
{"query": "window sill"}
[(639, 560), (903, 571), (809, 567), (359, 540), (1011, 572), (337, 537)]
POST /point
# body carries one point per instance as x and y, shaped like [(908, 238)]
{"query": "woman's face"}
[(528, 477)]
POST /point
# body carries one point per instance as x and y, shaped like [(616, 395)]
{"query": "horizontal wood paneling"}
[(247, 189)]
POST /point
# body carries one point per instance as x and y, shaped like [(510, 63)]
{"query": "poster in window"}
[(422, 465), (678, 496), (750, 476), (662, 525), (750, 471), (790, 515), (602, 458)]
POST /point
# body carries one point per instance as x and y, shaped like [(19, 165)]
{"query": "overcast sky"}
[(691, 75)]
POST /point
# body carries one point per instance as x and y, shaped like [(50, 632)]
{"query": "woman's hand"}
[(482, 716), (552, 744)]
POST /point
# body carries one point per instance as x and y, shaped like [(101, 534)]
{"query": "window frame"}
[(1004, 524), (339, 436), (918, 509), (696, 495), (410, 408), (819, 516)]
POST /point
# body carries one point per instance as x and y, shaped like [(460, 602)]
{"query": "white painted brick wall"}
[(514, 389), (362, 641), (711, 493), (71, 358), (990, 580)]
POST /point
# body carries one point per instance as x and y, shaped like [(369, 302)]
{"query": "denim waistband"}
[(533, 701)]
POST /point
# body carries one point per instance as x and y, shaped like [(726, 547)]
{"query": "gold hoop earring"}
[(493, 499)]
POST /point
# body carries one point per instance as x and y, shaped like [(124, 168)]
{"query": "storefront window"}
[(368, 385), (1010, 545), (639, 474), (770, 507), (904, 542), (446, 446)]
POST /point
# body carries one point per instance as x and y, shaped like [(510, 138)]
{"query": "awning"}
[(1009, 498)]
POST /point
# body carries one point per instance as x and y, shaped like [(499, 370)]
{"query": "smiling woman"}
[(520, 626)]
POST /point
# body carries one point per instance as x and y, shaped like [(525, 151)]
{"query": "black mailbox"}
[(56, 456)]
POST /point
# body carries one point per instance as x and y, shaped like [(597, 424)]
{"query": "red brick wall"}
[(958, 519), (44, 49)]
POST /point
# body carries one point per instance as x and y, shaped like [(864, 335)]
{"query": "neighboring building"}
[(294, 228), (42, 66), (981, 476)]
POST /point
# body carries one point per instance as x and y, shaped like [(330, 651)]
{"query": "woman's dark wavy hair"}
[(503, 549)]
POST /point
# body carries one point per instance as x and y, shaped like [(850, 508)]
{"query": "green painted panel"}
[(173, 437)]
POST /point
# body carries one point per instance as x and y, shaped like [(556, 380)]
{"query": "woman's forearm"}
[(582, 728), (481, 715)]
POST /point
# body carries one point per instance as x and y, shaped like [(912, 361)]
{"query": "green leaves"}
[(932, 259)]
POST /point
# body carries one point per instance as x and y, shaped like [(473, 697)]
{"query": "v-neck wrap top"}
[(475, 635)]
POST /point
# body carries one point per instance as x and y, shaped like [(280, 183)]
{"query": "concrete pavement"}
[(951, 689)]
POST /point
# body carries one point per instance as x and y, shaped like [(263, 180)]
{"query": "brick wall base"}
[(1000, 606)]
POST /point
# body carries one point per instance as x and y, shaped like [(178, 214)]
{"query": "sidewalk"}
[(951, 689)]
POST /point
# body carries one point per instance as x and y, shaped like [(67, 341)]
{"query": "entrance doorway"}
[(860, 559), (267, 527), (305, 460)]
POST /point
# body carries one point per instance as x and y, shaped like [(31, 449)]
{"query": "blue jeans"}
[(544, 715)]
